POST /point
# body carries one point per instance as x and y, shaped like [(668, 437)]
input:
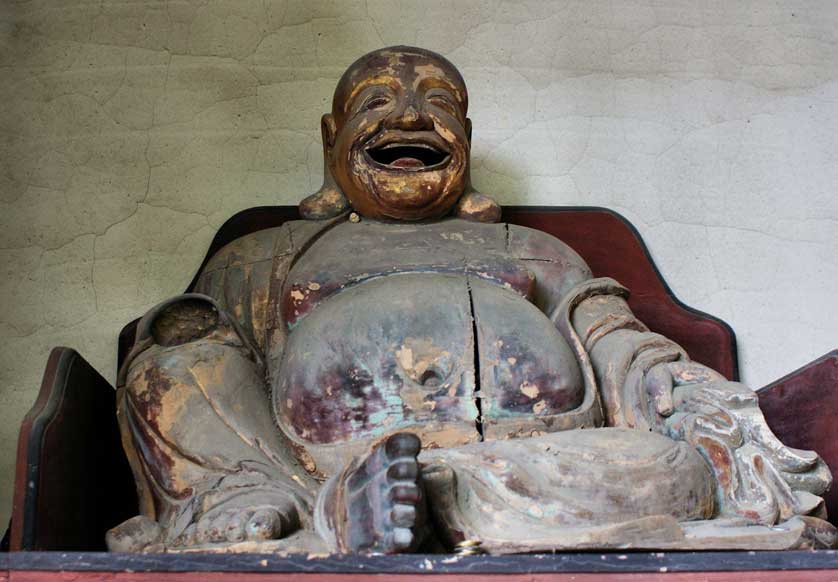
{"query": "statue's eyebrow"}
[(447, 87), (441, 88), (363, 87), (444, 83)]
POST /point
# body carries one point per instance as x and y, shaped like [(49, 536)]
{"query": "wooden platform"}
[(579, 567)]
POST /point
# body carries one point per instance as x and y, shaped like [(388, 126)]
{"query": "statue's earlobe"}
[(328, 130), (477, 207), (473, 205), (328, 201)]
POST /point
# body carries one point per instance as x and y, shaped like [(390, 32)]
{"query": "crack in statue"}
[(399, 373)]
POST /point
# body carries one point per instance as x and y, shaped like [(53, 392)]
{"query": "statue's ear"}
[(328, 130), (328, 201), (468, 129)]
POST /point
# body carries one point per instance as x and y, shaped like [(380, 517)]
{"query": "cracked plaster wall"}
[(130, 130)]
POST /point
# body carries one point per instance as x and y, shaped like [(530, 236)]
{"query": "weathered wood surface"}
[(753, 576), (586, 229), (734, 565), (362, 342), (607, 242)]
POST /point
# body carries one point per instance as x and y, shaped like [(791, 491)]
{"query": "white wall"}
[(130, 130)]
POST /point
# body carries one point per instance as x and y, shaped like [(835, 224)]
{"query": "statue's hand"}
[(760, 479), (661, 381)]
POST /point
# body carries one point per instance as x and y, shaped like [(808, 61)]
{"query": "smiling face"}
[(398, 136)]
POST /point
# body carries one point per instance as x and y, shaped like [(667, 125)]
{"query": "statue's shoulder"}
[(262, 245), (530, 243), (557, 267), (240, 274)]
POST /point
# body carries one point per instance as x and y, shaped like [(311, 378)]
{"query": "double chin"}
[(410, 201)]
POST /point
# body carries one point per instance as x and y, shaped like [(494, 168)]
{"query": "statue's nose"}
[(410, 118)]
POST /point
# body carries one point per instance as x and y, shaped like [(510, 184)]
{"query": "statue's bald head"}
[(398, 138), (405, 65)]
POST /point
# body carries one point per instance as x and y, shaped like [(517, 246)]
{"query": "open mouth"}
[(412, 156)]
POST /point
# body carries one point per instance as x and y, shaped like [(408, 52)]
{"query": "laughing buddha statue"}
[(398, 372)]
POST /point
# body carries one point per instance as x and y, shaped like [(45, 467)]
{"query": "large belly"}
[(452, 358)]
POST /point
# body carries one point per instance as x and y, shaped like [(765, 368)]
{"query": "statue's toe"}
[(816, 481), (406, 493), (234, 531), (402, 539), (265, 524), (233, 526), (403, 515), (204, 532), (403, 470), (402, 445)]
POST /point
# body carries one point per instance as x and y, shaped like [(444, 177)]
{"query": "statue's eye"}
[(376, 101), (444, 102)]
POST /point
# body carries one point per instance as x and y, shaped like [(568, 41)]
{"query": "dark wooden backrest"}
[(800, 409), (72, 480), (607, 241)]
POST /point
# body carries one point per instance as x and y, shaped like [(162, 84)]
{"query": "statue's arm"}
[(631, 363), (648, 382), (244, 276), (594, 316)]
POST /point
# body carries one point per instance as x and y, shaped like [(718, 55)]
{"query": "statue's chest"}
[(351, 254)]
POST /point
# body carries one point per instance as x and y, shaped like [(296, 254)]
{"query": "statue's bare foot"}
[(383, 500), (133, 535), (257, 515)]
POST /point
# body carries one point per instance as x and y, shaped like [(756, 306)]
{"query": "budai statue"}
[(398, 372)]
